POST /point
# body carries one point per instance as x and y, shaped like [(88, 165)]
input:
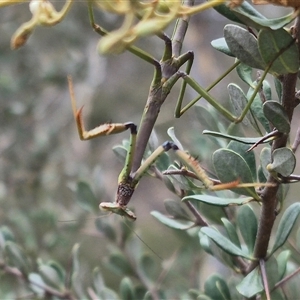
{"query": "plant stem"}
[(269, 197)]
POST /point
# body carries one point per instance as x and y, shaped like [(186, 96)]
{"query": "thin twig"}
[(264, 278)]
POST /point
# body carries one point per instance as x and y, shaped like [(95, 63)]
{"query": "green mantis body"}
[(166, 74)]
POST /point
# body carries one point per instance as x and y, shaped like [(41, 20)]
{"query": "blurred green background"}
[(41, 156)]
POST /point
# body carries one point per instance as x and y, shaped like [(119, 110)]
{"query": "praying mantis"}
[(166, 73)]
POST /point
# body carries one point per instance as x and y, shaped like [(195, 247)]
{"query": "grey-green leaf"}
[(248, 156), (239, 101), (126, 289), (271, 43), (243, 46), (221, 45), (218, 201), (276, 114), (285, 226), (284, 161), (224, 243), (86, 198), (251, 284), (265, 159), (247, 224), (231, 166), (17, 257), (176, 224), (175, 209), (231, 232), (245, 73), (258, 21), (51, 277), (282, 261), (216, 288)]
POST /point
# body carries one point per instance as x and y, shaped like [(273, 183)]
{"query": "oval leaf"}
[(126, 289), (243, 46), (86, 198), (239, 102), (216, 288), (248, 156), (286, 225), (271, 43), (230, 166), (174, 209), (276, 114), (251, 284), (17, 256), (231, 232), (284, 162), (221, 45), (51, 277)]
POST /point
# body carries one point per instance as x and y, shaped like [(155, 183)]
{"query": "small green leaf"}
[(120, 152), (218, 201), (243, 46), (284, 162), (58, 269), (6, 235), (272, 272), (276, 114), (251, 284), (221, 45), (231, 166), (248, 156), (260, 22), (231, 231), (224, 243), (205, 243), (119, 264), (216, 288), (86, 198), (75, 258), (176, 210), (126, 289), (149, 267), (98, 281), (105, 228), (76, 279), (278, 88), (207, 117), (176, 224), (257, 106), (247, 224), (282, 261), (16, 257), (37, 284), (285, 226), (271, 43), (245, 8), (245, 73), (239, 102), (51, 277), (265, 159)]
